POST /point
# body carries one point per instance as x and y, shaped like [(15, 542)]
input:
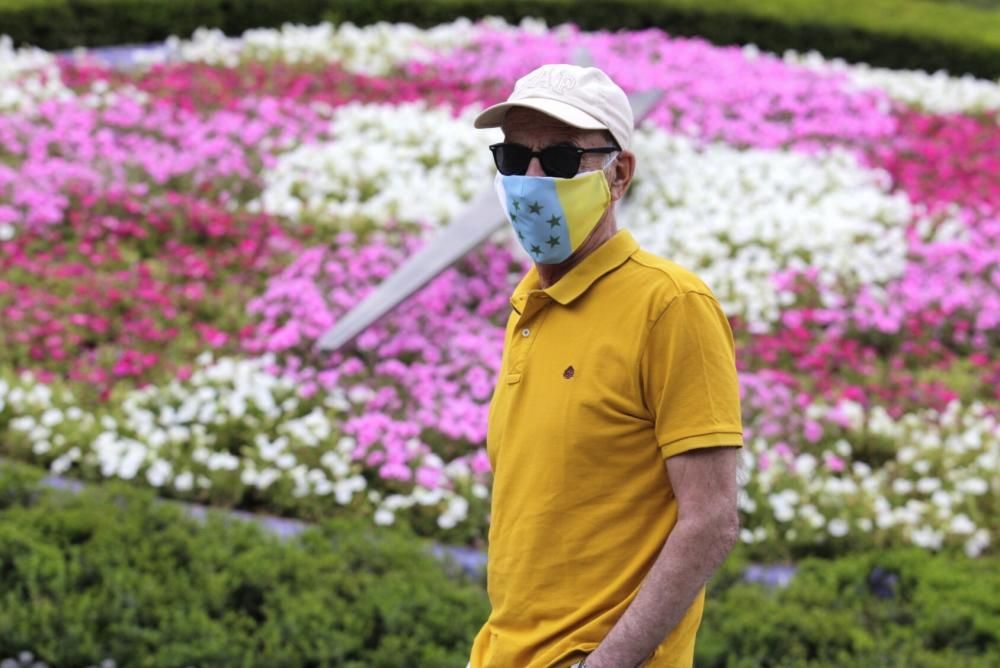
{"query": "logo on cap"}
[(555, 80)]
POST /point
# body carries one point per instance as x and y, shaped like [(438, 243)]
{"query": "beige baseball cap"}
[(584, 97)]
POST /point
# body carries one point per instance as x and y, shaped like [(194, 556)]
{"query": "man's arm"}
[(705, 485)]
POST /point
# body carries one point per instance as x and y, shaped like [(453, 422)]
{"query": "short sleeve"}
[(688, 373)]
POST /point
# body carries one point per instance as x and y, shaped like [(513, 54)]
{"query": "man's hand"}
[(705, 485)]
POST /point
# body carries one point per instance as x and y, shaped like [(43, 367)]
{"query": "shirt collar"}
[(607, 257)]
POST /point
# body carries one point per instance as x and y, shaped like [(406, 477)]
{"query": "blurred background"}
[(192, 192)]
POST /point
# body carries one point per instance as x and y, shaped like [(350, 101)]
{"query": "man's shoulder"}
[(664, 278)]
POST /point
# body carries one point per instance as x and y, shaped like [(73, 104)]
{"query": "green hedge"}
[(898, 608), (913, 34), (962, 37), (110, 573)]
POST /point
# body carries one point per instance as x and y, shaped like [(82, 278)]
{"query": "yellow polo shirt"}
[(624, 362)]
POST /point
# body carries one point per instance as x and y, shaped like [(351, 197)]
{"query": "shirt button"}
[(525, 332)]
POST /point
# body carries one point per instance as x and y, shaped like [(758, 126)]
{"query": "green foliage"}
[(112, 573), (961, 37), (18, 483), (888, 608)]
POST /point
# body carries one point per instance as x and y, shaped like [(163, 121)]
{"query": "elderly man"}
[(615, 423)]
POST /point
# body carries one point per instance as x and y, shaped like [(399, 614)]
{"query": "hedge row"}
[(892, 609), (111, 573), (914, 34)]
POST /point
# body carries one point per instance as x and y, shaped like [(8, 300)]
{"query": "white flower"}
[(299, 476), (270, 451), (457, 469), (928, 537), (336, 463), (736, 217), (427, 497), (223, 461), (374, 49), (937, 93), (941, 499), (25, 423), (52, 417), (902, 486), (344, 490), (843, 448), (885, 519), (975, 486), (395, 502), (157, 439), (961, 524), (184, 482), (384, 517), (815, 518), (248, 476), (266, 478), (378, 156), (838, 528), (782, 505), (132, 459), (805, 464), (285, 461), (65, 461), (458, 507), (159, 473), (977, 543), (928, 485), (28, 76)]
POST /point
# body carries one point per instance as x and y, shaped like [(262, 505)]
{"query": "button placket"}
[(526, 332)]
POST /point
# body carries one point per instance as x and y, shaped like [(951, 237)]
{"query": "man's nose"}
[(535, 168)]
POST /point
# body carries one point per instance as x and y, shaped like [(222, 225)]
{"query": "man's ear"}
[(621, 175)]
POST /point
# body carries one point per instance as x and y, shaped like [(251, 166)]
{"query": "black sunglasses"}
[(562, 160)]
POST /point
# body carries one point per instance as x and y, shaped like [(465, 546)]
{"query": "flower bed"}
[(175, 239)]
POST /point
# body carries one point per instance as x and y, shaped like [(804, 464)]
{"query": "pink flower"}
[(213, 337), (813, 431), (395, 471), (782, 450), (833, 462), (429, 477)]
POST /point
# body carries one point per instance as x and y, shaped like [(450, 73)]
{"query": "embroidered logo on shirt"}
[(568, 373)]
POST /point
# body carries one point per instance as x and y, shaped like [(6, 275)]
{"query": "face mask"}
[(552, 216)]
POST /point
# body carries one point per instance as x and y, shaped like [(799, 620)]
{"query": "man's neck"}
[(549, 274)]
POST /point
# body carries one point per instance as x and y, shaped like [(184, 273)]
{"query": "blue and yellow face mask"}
[(552, 216)]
